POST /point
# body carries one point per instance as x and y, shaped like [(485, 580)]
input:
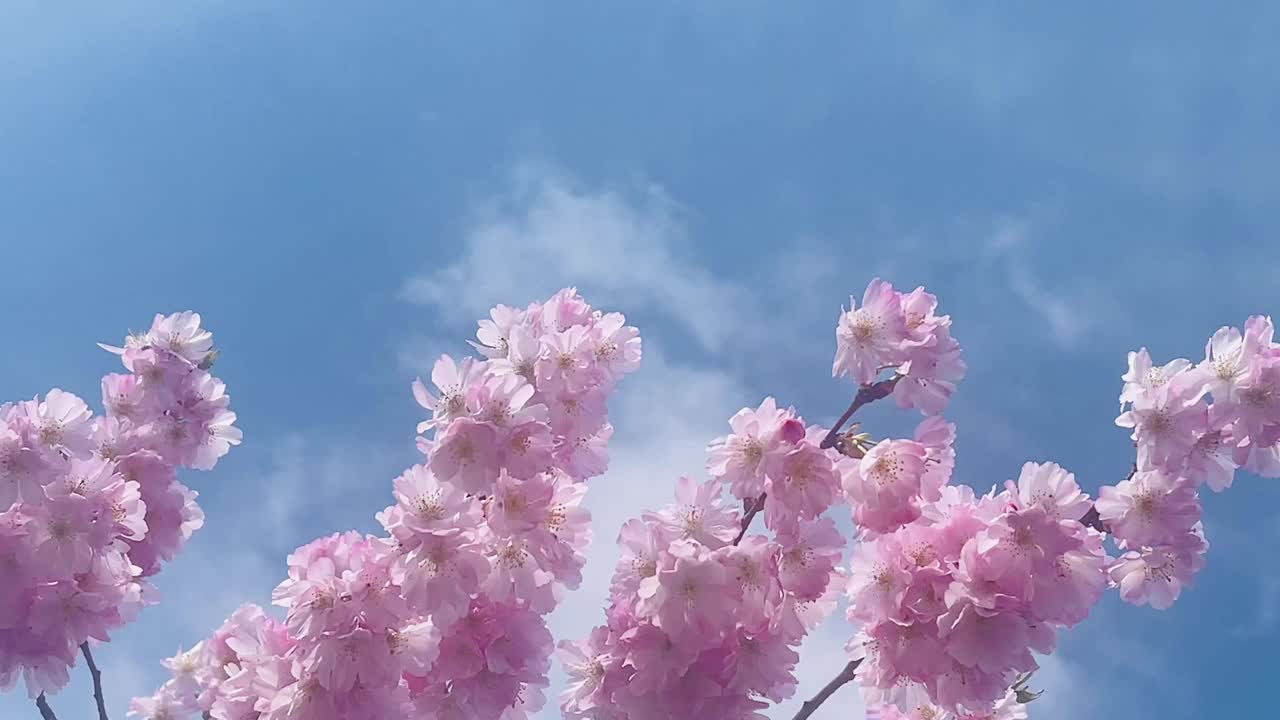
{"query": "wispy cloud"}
[(546, 231), (1068, 320)]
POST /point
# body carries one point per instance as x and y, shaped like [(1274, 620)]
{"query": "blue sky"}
[(343, 193)]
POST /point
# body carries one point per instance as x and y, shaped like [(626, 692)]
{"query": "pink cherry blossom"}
[(1157, 575), (740, 459), (1052, 489), (699, 514), (1150, 508), (870, 337)]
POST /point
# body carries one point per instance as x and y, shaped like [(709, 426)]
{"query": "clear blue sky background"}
[(342, 193)]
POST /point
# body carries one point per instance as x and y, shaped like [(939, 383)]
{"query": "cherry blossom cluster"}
[(900, 331), (90, 507), (443, 617), (1184, 441), (953, 604), (703, 622)]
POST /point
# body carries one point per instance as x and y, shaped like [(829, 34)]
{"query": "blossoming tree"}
[(954, 591)]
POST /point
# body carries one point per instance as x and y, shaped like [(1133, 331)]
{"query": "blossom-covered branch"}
[(443, 617), (703, 619), (954, 592), (91, 507)]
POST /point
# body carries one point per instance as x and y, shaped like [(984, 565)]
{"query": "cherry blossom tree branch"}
[(867, 394), (97, 681), (46, 712), (812, 704), (755, 507)]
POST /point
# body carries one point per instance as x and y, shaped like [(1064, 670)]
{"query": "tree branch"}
[(836, 683), (756, 507), (46, 712), (97, 681), (866, 394)]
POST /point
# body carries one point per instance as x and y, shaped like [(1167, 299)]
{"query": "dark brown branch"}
[(836, 683), (866, 394), (46, 712), (755, 508), (97, 681)]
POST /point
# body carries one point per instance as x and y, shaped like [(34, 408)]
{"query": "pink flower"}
[(453, 380), (1067, 592), (1150, 508), (516, 574), (803, 484), (699, 514), (61, 422), (520, 352), (740, 459), (691, 595), (884, 487), (938, 438), (808, 556), (161, 706), (466, 454), (763, 663), (566, 361), (878, 581), (1051, 488), (871, 337), (991, 642), (440, 575), (636, 573), (1257, 401), (23, 473), (587, 664), (1143, 378), (1166, 421), (1212, 460), (930, 374), (617, 347), (181, 335), (585, 456), (1157, 575), (752, 568), (526, 449), (425, 505), (59, 533), (416, 646), (495, 334)]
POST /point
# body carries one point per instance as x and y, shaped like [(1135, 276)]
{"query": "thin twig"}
[(836, 683), (866, 394), (97, 681), (46, 712), (756, 507)]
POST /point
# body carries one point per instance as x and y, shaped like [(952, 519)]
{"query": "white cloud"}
[(320, 485), (546, 233), (1068, 321)]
